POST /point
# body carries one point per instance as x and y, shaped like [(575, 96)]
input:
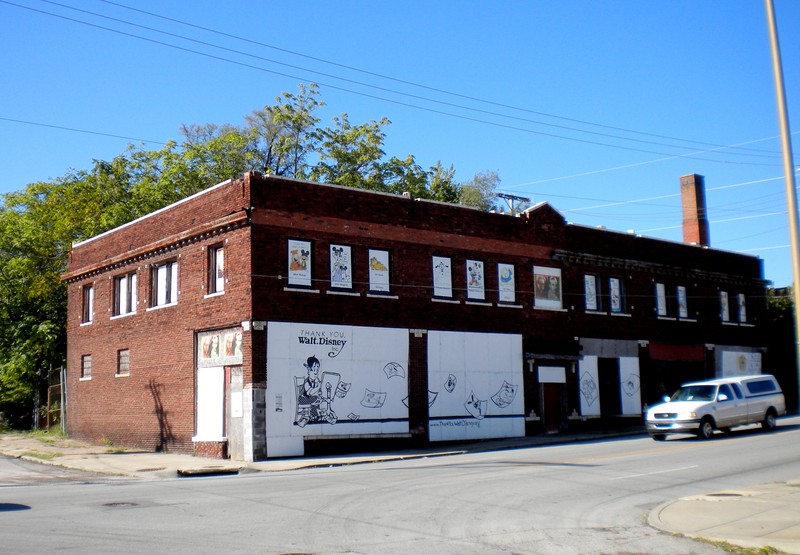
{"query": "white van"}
[(701, 407)]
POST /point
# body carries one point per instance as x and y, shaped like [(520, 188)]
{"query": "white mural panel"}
[(589, 386), (329, 380), (210, 404), (630, 386), (475, 386), (740, 363)]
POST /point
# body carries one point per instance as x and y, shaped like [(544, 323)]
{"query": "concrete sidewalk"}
[(758, 516)]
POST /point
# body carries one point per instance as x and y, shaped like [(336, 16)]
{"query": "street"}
[(590, 497)]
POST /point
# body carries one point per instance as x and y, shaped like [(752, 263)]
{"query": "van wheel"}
[(659, 437), (706, 429), (769, 422)]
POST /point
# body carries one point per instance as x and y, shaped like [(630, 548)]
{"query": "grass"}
[(738, 550), (40, 455)]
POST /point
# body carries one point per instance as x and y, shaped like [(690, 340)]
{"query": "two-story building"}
[(265, 312)]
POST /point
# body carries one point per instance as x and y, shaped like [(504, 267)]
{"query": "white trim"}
[(345, 293), (301, 290), (151, 214), (377, 296)]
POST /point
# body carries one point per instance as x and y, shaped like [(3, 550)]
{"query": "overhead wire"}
[(691, 155)]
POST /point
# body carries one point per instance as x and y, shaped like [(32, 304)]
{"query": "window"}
[(123, 362), (86, 367), (616, 295), (547, 288), (724, 309), (216, 269), (506, 284), (742, 308), (341, 267), (87, 307), (661, 300), (683, 306), (165, 284), (725, 389), (591, 293), (475, 283), (379, 276), (442, 278), (299, 263), (125, 294), (760, 386)]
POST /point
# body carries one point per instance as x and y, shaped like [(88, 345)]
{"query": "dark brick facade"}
[(254, 218)]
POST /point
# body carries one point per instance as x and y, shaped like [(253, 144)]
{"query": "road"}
[(575, 498)]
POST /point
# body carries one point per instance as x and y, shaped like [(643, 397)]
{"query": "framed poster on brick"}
[(506, 283), (299, 263), (341, 267), (475, 280), (379, 274), (442, 277), (547, 288)]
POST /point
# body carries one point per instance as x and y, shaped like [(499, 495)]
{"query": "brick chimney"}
[(695, 216)]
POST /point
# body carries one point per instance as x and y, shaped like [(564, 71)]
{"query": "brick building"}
[(265, 313)]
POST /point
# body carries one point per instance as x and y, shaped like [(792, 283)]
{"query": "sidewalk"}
[(755, 517)]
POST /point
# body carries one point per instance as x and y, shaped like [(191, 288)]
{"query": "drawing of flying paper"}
[(505, 395), (393, 369), (373, 399), (450, 384), (432, 395), (475, 406)]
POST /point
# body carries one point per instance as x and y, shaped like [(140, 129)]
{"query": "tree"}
[(480, 191)]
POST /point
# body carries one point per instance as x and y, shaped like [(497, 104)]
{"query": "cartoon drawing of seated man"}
[(315, 395)]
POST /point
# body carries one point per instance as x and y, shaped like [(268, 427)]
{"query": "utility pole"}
[(788, 169), (510, 199)]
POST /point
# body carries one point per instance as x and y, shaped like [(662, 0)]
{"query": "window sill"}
[(381, 296), (118, 316), (215, 294), (87, 379), (86, 323), (622, 314), (300, 290), (597, 312), (508, 305), (667, 318), (477, 303), (446, 301), (343, 293), (162, 306), (123, 375)]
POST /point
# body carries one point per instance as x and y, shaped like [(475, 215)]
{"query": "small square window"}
[(86, 367), (123, 362)]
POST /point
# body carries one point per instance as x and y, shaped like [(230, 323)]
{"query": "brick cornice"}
[(157, 248)]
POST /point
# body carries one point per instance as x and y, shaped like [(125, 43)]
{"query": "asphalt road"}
[(577, 498)]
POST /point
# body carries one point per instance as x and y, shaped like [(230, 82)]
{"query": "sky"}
[(596, 107)]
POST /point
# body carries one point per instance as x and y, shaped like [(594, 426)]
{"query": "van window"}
[(758, 387), (725, 389), (737, 390)]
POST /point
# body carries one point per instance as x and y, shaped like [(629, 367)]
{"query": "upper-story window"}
[(547, 288), (216, 269), (125, 294), (87, 304), (299, 263), (442, 276), (683, 302), (616, 296), (506, 283), (341, 257), (742, 306), (592, 293), (379, 271), (724, 307), (475, 280), (165, 284), (662, 307)]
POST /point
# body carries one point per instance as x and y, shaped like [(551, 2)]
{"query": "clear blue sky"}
[(597, 107)]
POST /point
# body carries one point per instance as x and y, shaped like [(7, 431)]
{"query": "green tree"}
[(479, 191)]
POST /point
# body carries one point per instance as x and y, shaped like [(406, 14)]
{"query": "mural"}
[(219, 348), (474, 380), (334, 380)]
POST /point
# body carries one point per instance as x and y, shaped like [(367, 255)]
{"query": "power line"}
[(692, 155), (76, 130)]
